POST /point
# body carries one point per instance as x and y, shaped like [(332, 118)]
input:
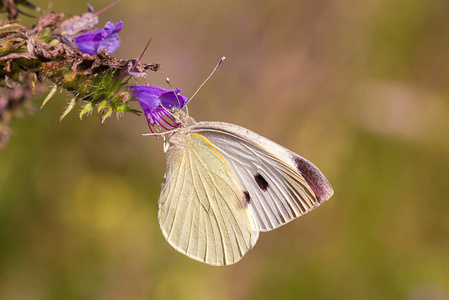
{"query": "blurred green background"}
[(358, 87)]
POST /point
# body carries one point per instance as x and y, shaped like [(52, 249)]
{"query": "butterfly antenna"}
[(212, 73)]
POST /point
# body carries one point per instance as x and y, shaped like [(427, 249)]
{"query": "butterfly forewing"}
[(202, 207), (280, 185)]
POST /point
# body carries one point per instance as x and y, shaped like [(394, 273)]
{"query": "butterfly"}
[(224, 183)]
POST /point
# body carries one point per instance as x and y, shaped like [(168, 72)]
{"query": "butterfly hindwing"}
[(202, 207), (280, 184)]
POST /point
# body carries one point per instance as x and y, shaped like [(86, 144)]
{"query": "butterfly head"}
[(162, 107)]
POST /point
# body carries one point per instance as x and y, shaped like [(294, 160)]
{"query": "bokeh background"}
[(358, 87)]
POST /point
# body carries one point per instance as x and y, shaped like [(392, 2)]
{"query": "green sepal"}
[(86, 109), (102, 105), (50, 95), (68, 109), (106, 115)]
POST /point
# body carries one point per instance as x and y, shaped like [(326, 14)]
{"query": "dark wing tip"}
[(313, 176)]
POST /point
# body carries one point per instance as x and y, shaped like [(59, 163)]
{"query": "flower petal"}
[(107, 29), (149, 102), (111, 44), (155, 102), (172, 99), (117, 28), (93, 41), (88, 42), (147, 89)]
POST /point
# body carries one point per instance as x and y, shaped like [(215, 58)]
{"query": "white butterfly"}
[(224, 184)]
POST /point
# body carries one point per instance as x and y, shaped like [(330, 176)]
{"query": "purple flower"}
[(157, 104), (91, 42)]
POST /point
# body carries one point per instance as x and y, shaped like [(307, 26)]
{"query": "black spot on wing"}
[(314, 178), (247, 197), (261, 182)]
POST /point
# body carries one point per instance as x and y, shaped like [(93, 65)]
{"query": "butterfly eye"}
[(261, 182)]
